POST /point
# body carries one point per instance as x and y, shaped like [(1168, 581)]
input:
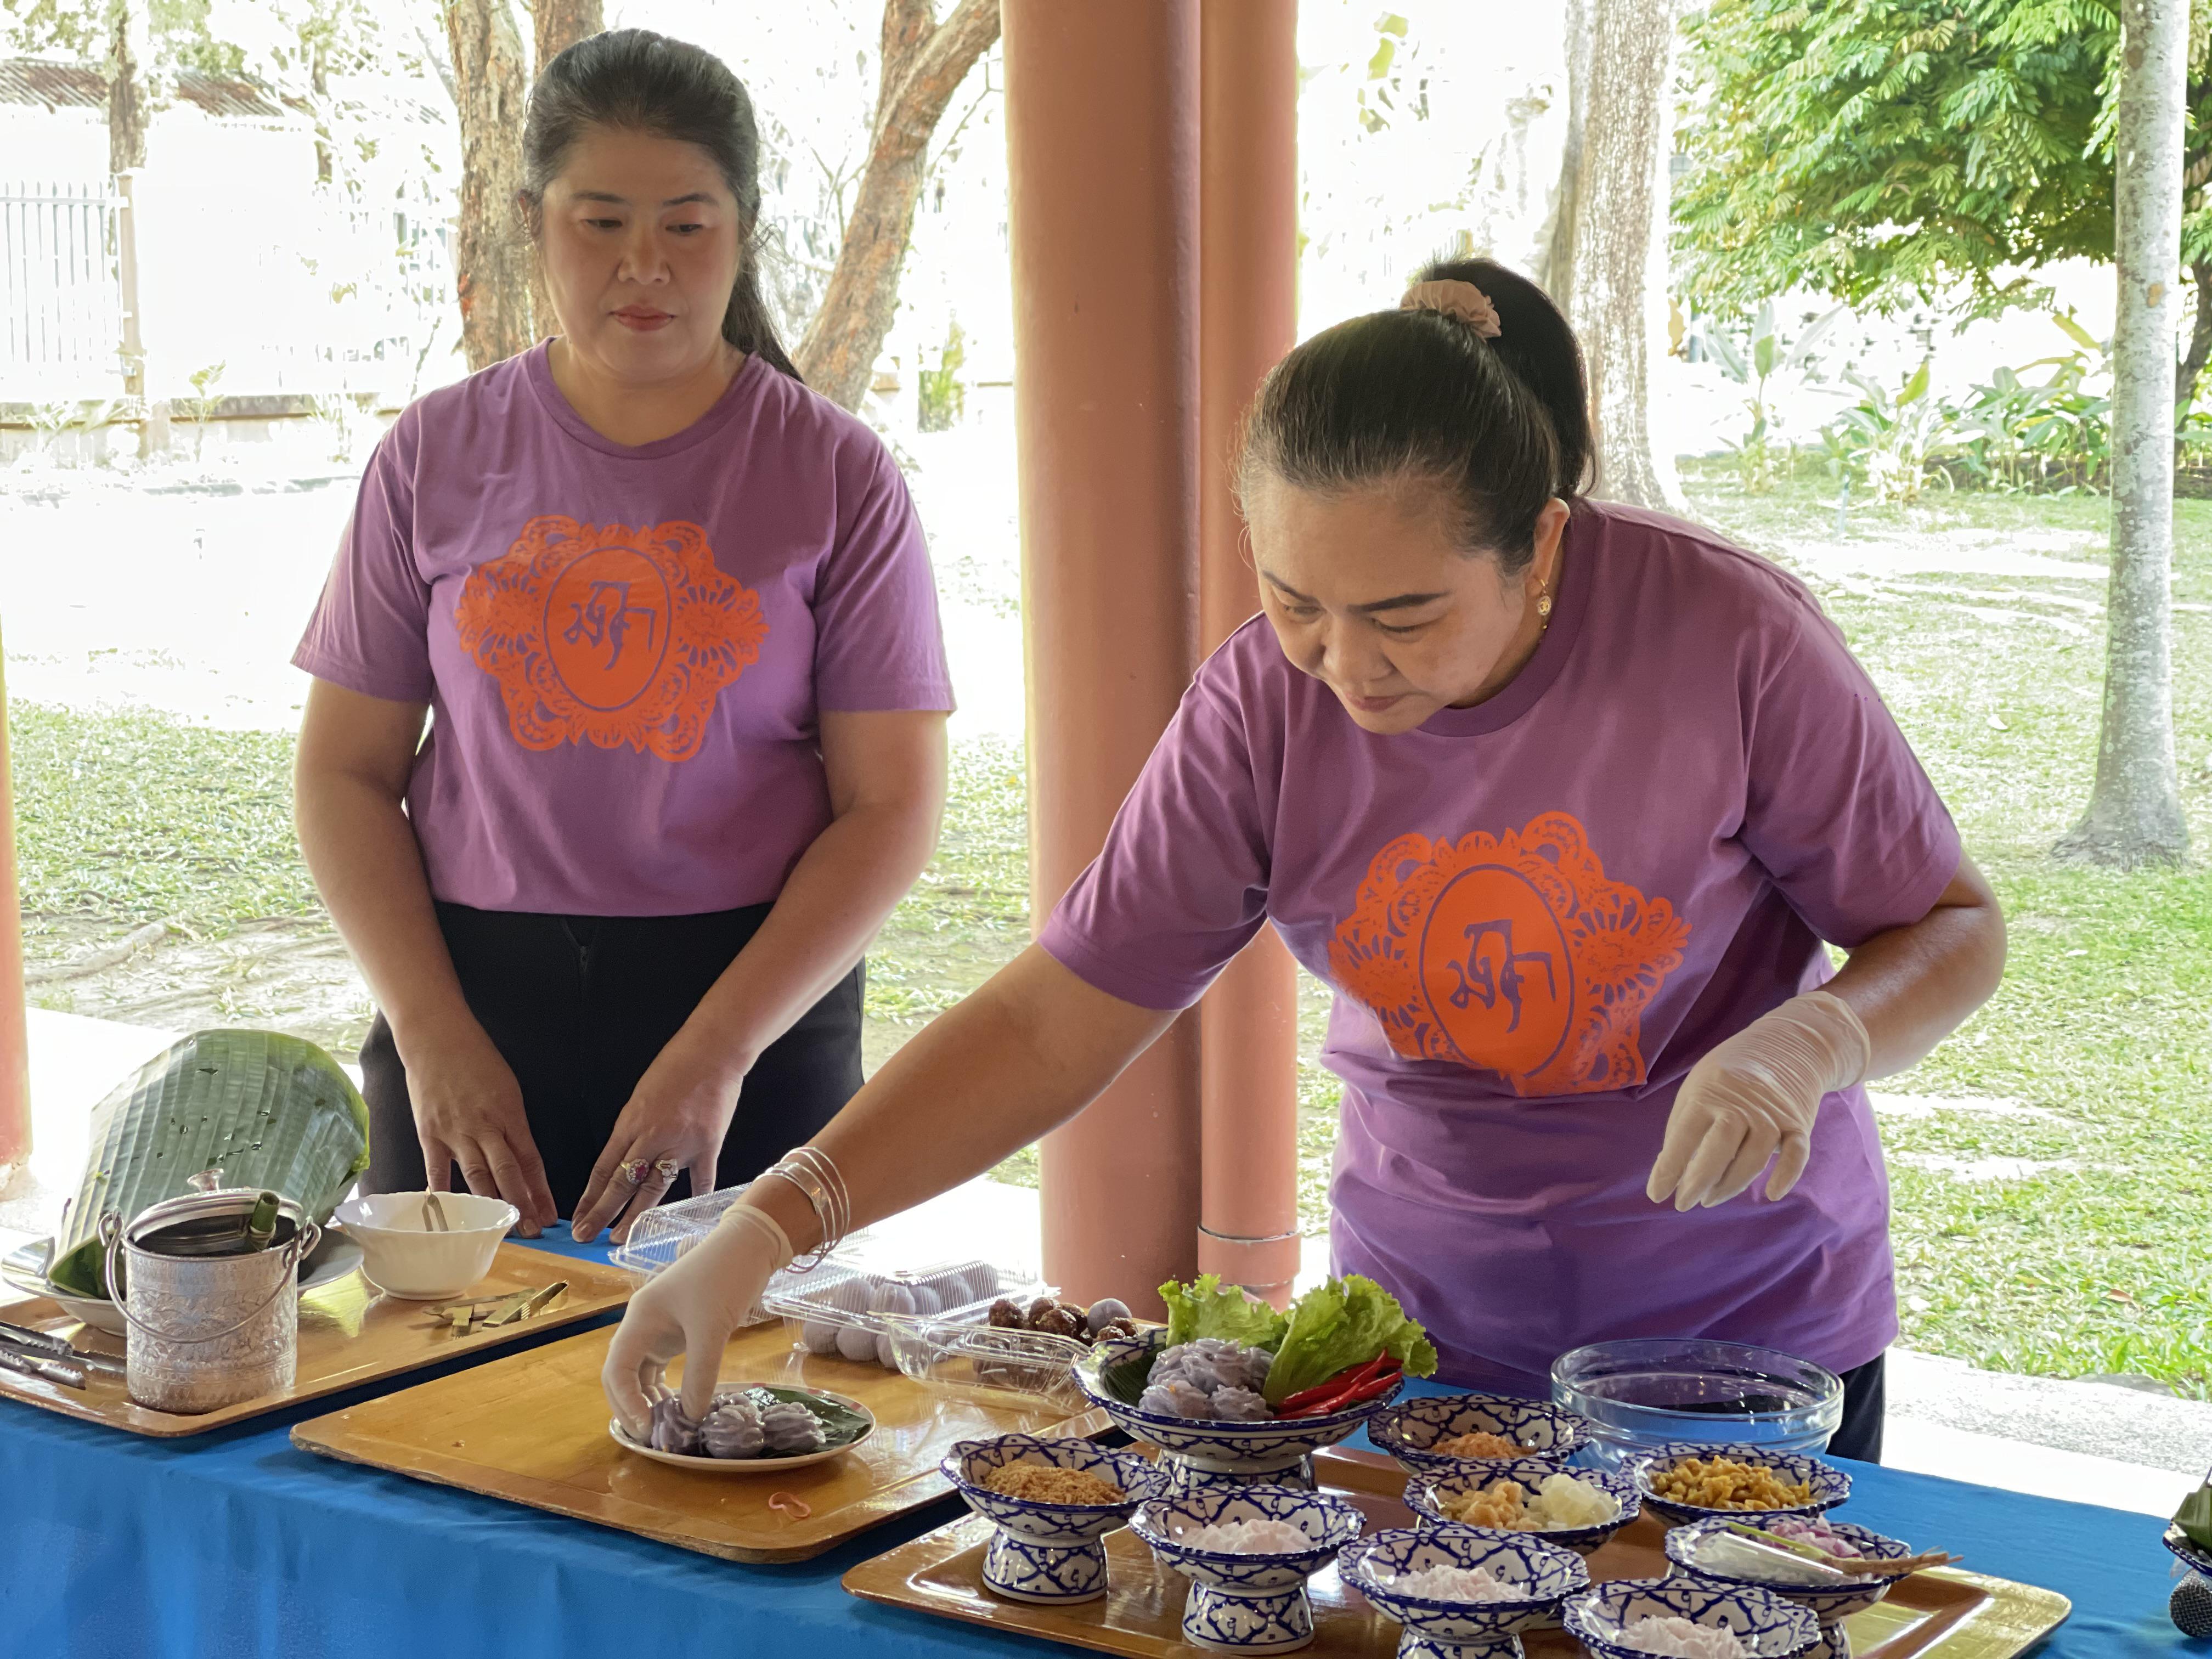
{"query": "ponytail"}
[(1501, 423)]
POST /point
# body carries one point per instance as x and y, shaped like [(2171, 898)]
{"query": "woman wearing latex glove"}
[(1751, 1101), (1569, 803), (689, 1310)]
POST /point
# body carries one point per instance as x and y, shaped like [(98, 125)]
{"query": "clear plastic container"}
[(851, 1303), (989, 1365), (1640, 1393), (665, 1233)]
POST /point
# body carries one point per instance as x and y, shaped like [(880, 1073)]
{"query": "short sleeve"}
[(370, 630), (877, 642), (1837, 809), (1181, 885)]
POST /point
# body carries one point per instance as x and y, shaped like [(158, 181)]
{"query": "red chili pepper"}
[(1377, 1377), (1332, 1386)]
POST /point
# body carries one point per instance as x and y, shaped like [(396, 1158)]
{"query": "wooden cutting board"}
[(350, 1334), (1943, 1614), (532, 1429)]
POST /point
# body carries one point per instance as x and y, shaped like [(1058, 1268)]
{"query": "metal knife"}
[(46, 1345), (50, 1370)]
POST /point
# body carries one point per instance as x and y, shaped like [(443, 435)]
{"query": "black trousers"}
[(580, 1006), (1859, 1434)]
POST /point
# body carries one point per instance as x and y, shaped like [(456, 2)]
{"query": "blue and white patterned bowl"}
[(1424, 1494), (1248, 1603), (1211, 1448), (1830, 1603), (1767, 1627), (1410, 1429), (1047, 1553), (1830, 1486), (1439, 1628), (2193, 1555)]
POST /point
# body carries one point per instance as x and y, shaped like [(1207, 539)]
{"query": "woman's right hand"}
[(468, 1110), (691, 1308)]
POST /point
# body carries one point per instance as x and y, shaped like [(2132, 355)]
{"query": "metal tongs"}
[(41, 1354)]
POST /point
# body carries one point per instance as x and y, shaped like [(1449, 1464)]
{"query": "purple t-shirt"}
[(1537, 914), (626, 650)]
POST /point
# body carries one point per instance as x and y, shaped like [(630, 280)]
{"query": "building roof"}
[(60, 83)]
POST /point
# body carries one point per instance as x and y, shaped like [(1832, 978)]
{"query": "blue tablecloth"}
[(234, 1544)]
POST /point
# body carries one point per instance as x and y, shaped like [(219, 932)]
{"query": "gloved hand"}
[(1755, 1096), (691, 1308)]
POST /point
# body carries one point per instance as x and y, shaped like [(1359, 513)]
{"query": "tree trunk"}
[(2135, 815), (559, 24), (1556, 272), (491, 256), (130, 90), (923, 64), (1617, 269)]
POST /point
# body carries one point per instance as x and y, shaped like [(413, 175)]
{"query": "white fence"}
[(61, 310), (310, 296)]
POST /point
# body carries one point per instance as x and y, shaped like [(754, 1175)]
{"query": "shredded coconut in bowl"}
[(1680, 1639), (1261, 1537), (1447, 1584)]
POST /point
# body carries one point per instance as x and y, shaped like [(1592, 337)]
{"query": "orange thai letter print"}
[(1509, 953), (603, 633)]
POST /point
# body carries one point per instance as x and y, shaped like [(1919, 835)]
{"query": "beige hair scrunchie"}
[(1455, 299)]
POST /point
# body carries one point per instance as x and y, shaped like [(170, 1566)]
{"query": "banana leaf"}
[(267, 1109)]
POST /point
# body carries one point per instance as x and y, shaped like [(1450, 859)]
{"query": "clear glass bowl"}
[(1642, 1391)]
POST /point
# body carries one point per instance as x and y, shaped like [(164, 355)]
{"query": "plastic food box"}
[(665, 1233)]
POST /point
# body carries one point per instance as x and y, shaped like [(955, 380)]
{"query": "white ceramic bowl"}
[(403, 1260)]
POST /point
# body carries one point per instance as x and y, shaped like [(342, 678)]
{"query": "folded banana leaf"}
[(268, 1110)]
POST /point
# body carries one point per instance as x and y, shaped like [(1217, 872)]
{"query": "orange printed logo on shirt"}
[(610, 635), (1510, 953)]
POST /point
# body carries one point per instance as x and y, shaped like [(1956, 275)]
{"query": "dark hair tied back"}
[(1420, 397), (636, 81)]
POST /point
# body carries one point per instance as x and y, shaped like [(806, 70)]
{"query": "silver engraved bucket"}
[(207, 1331)]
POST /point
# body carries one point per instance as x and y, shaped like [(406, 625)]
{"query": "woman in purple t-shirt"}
[(674, 618), (1567, 802)]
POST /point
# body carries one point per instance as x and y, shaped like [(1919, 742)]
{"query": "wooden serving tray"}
[(1943, 1612), (532, 1429), (350, 1334)]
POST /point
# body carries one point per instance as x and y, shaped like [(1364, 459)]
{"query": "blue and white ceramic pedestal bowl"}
[(1048, 1553), (1440, 1629), (1204, 1455), (1829, 1604), (1247, 1603), (1767, 1627), (1409, 1430), (1830, 1486), (1424, 1495)]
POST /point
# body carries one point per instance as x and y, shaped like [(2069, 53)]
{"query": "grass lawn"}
[(2083, 1257), (2053, 1231)]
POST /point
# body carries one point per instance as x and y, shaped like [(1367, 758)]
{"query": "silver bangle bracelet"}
[(811, 1189)]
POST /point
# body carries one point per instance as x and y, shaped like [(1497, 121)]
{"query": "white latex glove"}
[(1753, 1097), (691, 1307)]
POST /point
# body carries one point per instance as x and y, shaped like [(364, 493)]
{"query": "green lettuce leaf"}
[(1206, 1307), (1340, 1323)]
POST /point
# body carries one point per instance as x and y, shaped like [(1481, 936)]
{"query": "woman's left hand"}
[(1753, 1098), (674, 1120)]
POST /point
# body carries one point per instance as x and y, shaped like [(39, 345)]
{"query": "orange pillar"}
[(15, 1036), (1248, 318), (1101, 139)]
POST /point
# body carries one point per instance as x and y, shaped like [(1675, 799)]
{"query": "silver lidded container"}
[(207, 1330)]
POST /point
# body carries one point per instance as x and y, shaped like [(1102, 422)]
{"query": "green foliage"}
[(200, 407), (1890, 446), (1761, 456), (1880, 151), (942, 395)]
